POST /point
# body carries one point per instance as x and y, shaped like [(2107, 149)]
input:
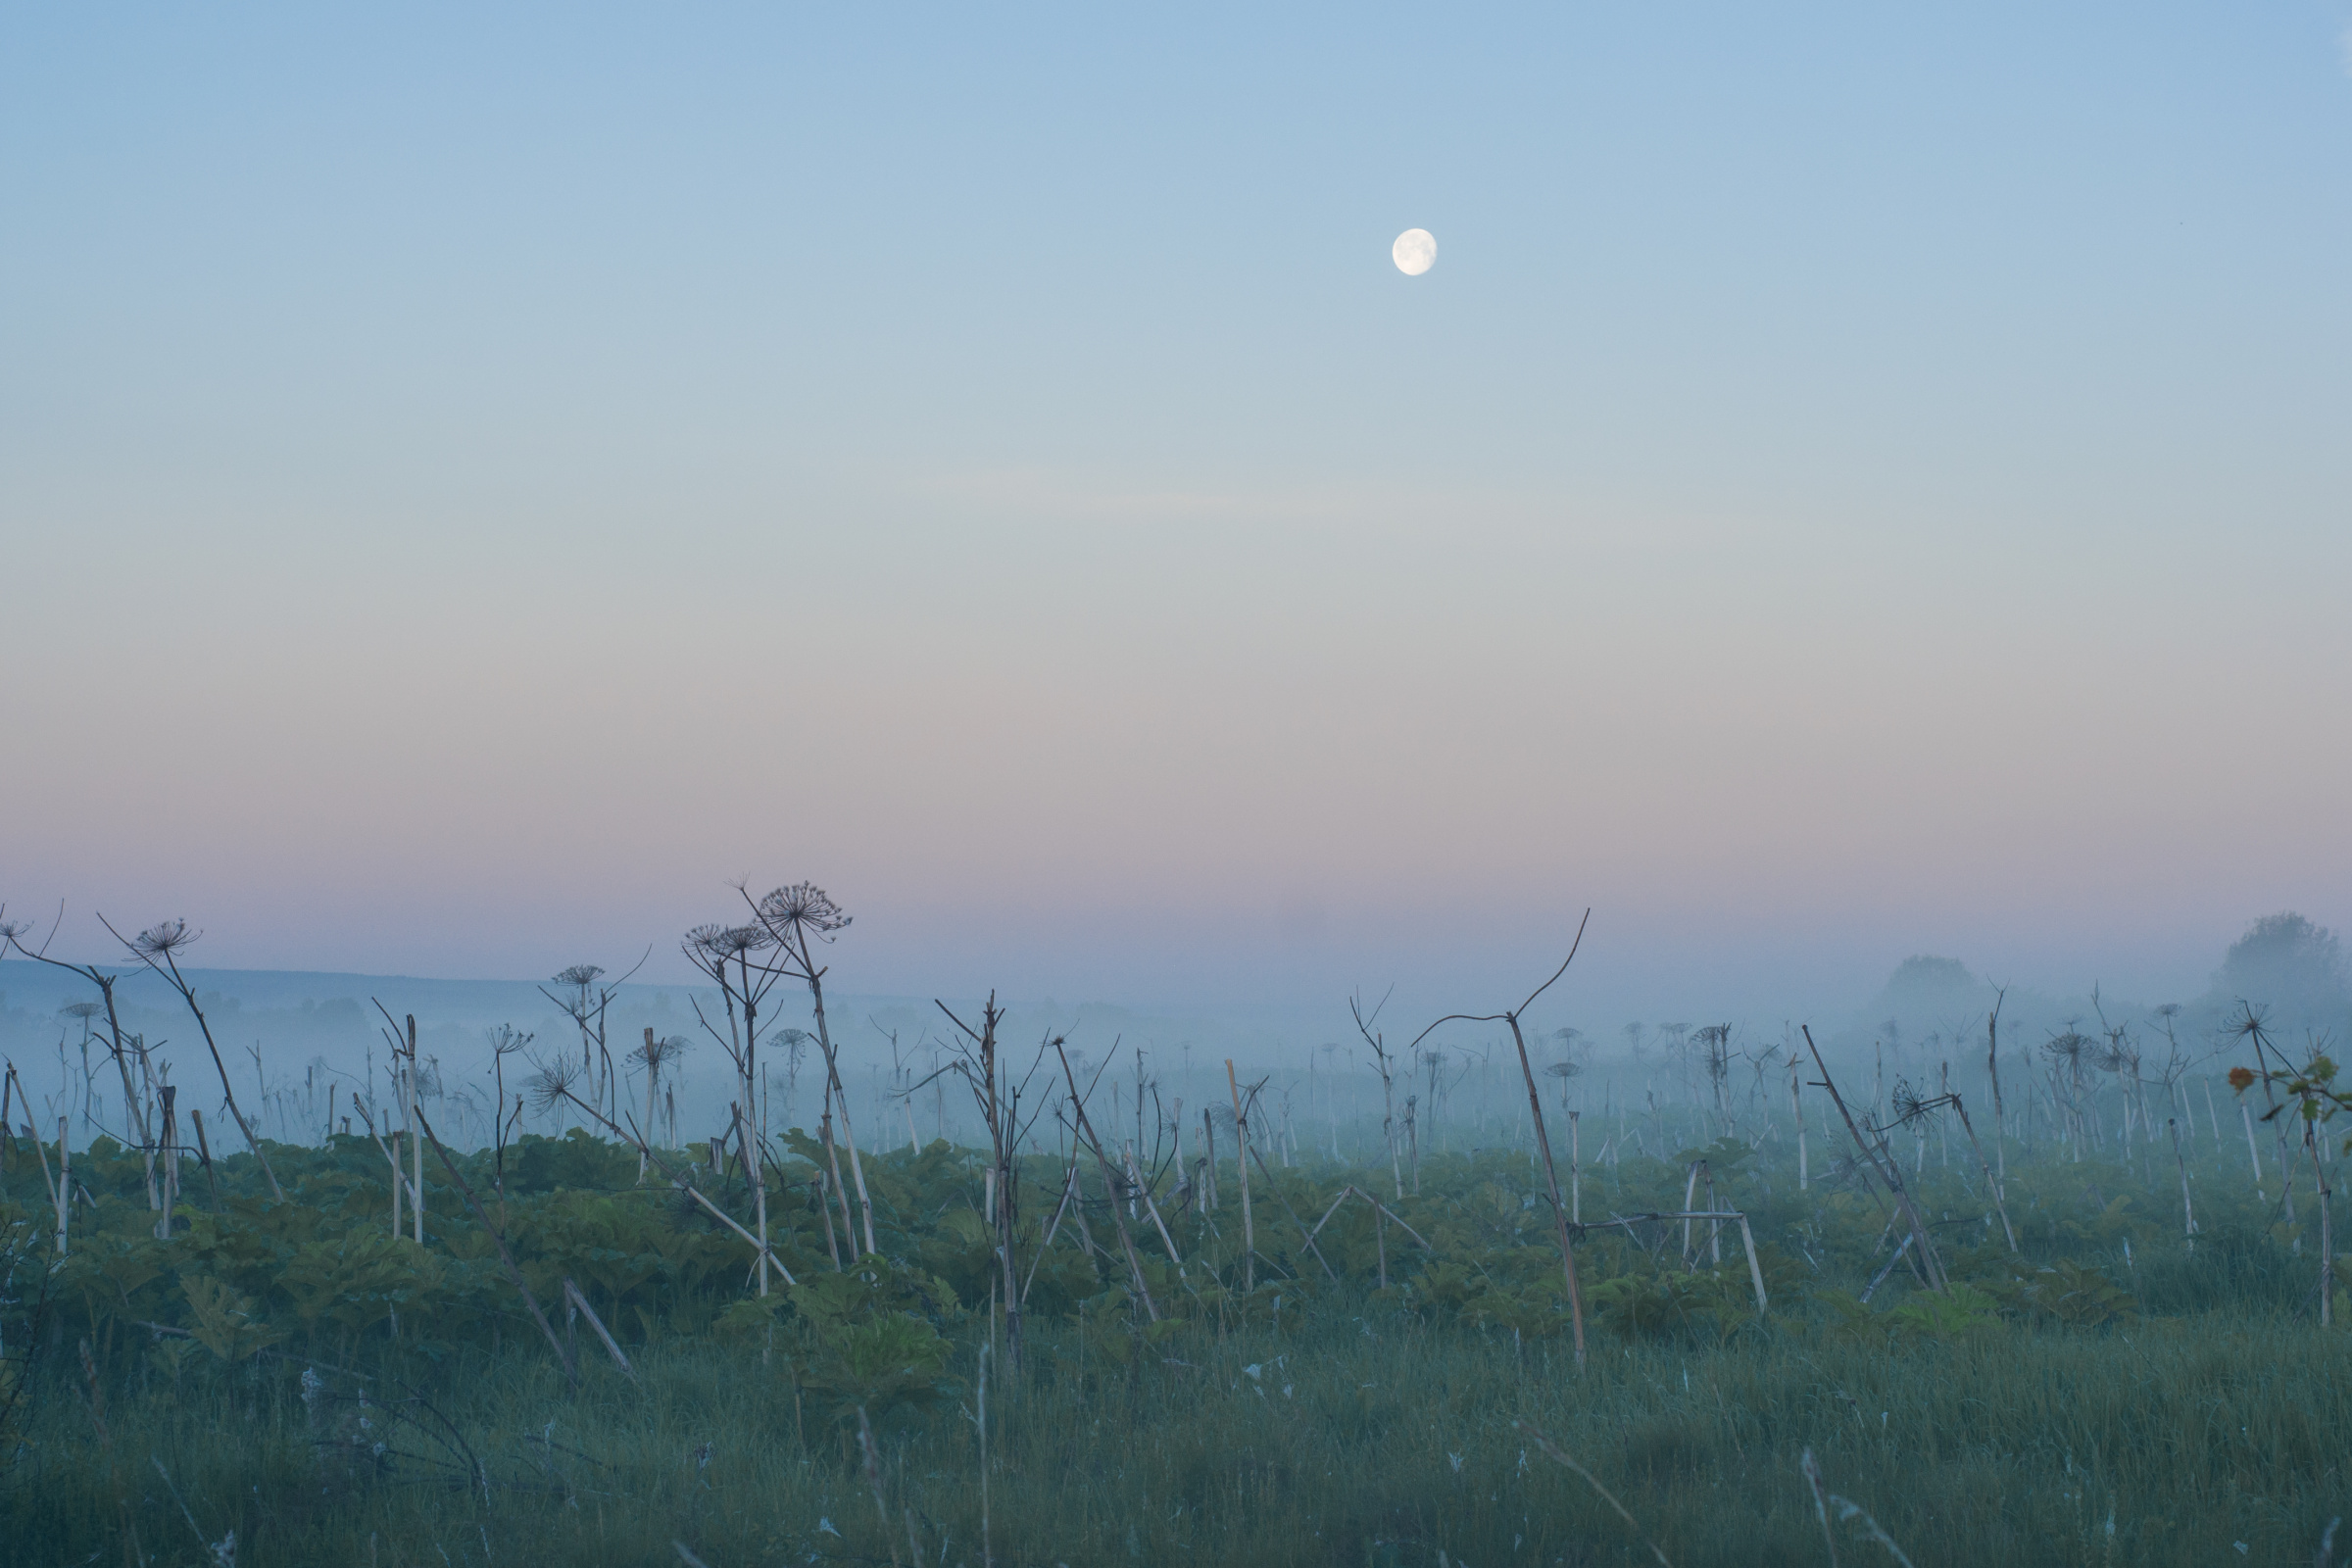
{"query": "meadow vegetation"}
[(1818, 1322), (293, 1372)]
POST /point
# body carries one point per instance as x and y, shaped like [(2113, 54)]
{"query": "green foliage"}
[(1662, 1306), (879, 1365), (224, 1322), (1940, 1314), (1305, 1420), (2065, 1291), (869, 1337)]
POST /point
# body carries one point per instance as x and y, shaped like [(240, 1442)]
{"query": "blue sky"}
[(1854, 482)]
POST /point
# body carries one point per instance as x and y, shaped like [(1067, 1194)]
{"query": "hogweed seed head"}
[(162, 939)]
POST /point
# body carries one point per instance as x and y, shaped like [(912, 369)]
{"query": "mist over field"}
[(1377, 786), (293, 1035)]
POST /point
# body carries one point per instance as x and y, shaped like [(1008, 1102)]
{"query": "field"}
[(288, 1380)]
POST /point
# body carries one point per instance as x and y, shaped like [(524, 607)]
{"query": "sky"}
[(1860, 481)]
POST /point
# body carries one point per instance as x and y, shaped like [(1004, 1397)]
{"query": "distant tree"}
[(2286, 960), (1928, 973)]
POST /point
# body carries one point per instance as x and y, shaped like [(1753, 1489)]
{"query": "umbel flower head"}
[(2067, 1048), (162, 939), (552, 1081), (660, 1050), (805, 908), (721, 944)]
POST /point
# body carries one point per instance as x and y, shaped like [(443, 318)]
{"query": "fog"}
[(299, 1046)]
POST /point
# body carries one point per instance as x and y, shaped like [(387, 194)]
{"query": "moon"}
[(1415, 252)]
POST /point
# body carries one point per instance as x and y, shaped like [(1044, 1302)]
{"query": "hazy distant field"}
[(293, 1373)]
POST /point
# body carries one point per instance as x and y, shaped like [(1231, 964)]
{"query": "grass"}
[(1363, 1439), (2173, 1404)]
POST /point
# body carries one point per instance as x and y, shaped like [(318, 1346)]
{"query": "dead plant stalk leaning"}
[(1535, 1106)]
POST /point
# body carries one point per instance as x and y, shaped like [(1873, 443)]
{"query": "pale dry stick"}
[(579, 1298), (848, 1137), (134, 1109), (2252, 1029), (1748, 1240), (572, 1371), (1689, 1202), (1576, 1173), (1395, 1219), (1068, 1178), (1848, 1512), (223, 1550), (2000, 1200), (1535, 1107), (1378, 1040), (681, 1184), (1633, 1524), (1209, 1160), (1096, 1255), (824, 1212), (794, 916), (1327, 1213), (1085, 1129), (1879, 1278), (988, 1557), (2188, 1212), (162, 941), (204, 1152), (849, 1226), (400, 1180), (65, 1182), (1887, 1171), (15, 1087), (1241, 1134), (1796, 1112), (1276, 1188), (652, 1076), (1153, 1210), (2253, 1149), (1755, 1271), (873, 1478), (407, 1084), (998, 1098), (1992, 1066), (1820, 1497), (392, 1154), (687, 1557), (2319, 1181), (171, 1153), (1345, 1193), (56, 1189), (400, 1177), (759, 1178)]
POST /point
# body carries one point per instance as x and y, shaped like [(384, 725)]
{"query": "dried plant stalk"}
[(1545, 1444), (1241, 1134)]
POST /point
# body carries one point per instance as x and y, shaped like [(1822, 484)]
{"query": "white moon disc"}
[(1415, 252)]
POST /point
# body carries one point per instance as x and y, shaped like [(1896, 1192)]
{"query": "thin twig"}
[(1545, 1444)]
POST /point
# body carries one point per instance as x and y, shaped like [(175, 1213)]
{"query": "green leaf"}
[(226, 1323)]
